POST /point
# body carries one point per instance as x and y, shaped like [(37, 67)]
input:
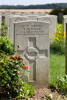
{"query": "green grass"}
[(57, 67)]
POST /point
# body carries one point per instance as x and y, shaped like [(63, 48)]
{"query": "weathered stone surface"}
[(10, 25), (32, 17), (11, 18), (17, 18), (33, 40), (32, 13), (29, 15), (7, 15), (52, 19)]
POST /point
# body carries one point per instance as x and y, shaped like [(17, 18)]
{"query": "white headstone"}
[(33, 40)]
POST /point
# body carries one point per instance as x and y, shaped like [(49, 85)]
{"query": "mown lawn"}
[(57, 67)]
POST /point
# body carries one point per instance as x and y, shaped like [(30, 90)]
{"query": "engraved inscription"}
[(29, 28)]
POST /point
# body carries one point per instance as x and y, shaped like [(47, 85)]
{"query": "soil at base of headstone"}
[(41, 94), (47, 94)]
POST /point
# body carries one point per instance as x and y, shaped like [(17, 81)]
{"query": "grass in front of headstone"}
[(57, 68)]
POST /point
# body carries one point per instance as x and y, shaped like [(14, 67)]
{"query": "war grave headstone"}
[(32, 37), (52, 19)]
